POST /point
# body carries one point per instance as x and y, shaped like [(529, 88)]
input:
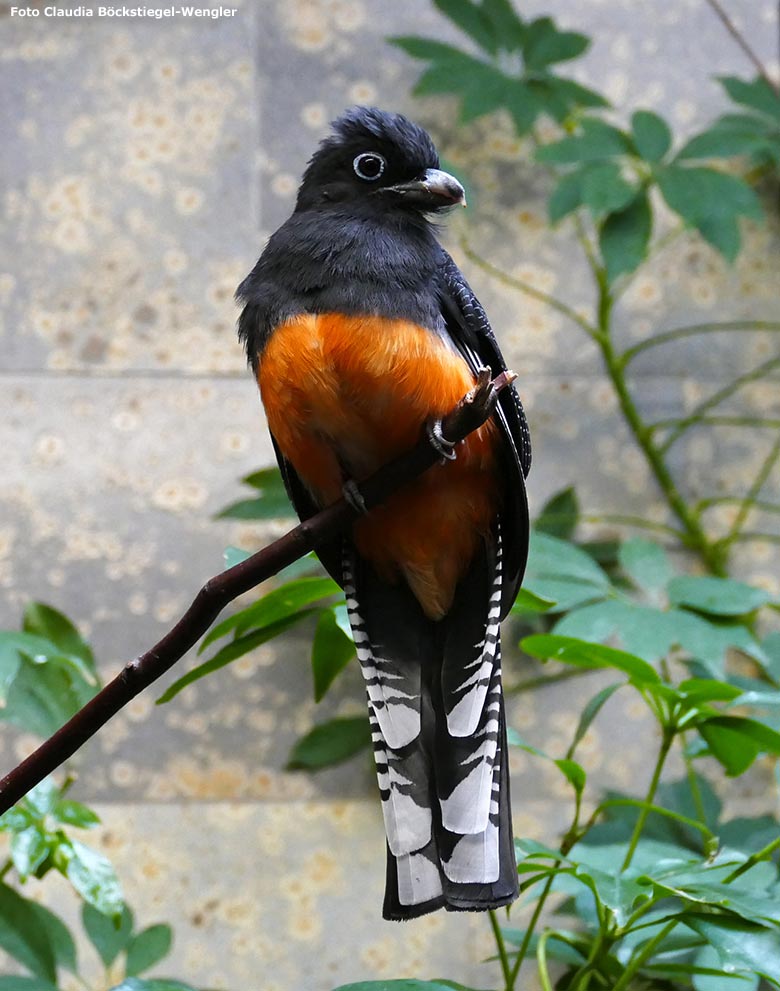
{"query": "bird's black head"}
[(379, 161)]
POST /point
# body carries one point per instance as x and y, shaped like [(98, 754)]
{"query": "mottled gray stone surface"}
[(143, 165)]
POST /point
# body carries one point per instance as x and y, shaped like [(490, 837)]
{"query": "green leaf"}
[(523, 106), (470, 18), (559, 515), (22, 936), (716, 596), (590, 711), (652, 136), (508, 28), (46, 621), (735, 751), (235, 649), (276, 605), (708, 959), (13, 983), (740, 945), (58, 937), (108, 938), (45, 694), (234, 556), (75, 814), (711, 202), (330, 743), (616, 889), (43, 797), (625, 235), (604, 190), (528, 603), (148, 948), (563, 573), (10, 661), (732, 135), (596, 142), (332, 649), (758, 95), (573, 772), (645, 563), (409, 985), (544, 44), (94, 878), (581, 653), (565, 199), (270, 503), (159, 984), (29, 849)]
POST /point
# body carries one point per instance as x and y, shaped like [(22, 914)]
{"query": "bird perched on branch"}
[(361, 329)]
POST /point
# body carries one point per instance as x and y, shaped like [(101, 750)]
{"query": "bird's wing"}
[(330, 552), (469, 328)]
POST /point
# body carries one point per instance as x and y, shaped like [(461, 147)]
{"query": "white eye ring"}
[(362, 158)]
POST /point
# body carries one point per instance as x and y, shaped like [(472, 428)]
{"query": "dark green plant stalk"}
[(663, 753), (501, 946), (645, 954)]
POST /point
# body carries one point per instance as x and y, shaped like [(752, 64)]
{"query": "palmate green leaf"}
[(730, 136), (235, 649), (508, 27), (736, 741), (716, 596), (711, 202), (758, 95), (624, 236), (545, 45), (581, 653), (58, 936), (604, 190), (93, 877), (646, 563), (108, 938), (472, 20), (566, 197), (524, 106), (330, 743), (333, 648), (147, 948), (740, 945), (43, 797), (559, 515), (75, 814), (591, 709), (571, 770), (279, 604), (616, 889), (596, 141), (652, 136), (23, 937)]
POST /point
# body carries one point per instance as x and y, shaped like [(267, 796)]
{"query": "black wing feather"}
[(470, 330)]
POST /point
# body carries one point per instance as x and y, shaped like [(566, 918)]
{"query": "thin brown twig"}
[(470, 413), (742, 41)]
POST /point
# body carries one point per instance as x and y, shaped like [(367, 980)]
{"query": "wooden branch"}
[(470, 413)]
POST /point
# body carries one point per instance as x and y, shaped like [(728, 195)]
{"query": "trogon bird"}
[(360, 329)]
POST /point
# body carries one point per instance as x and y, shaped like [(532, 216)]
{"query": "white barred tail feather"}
[(444, 788)]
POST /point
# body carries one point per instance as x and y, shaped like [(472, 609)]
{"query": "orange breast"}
[(344, 395)]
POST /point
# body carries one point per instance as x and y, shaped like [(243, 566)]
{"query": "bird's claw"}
[(354, 497), (445, 448), (483, 396)]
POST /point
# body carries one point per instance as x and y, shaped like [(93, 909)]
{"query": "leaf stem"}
[(525, 287), (506, 969), (742, 41), (647, 951), (753, 859), (663, 753), (694, 329), (749, 500), (523, 950), (541, 959)]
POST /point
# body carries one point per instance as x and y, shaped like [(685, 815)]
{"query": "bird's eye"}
[(369, 166)]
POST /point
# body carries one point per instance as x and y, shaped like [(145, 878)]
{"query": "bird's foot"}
[(440, 444), (353, 496), (484, 395)]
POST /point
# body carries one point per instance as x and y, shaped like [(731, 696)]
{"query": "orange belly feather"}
[(343, 395)]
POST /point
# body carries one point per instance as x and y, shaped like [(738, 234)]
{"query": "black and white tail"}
[(437, 724)]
